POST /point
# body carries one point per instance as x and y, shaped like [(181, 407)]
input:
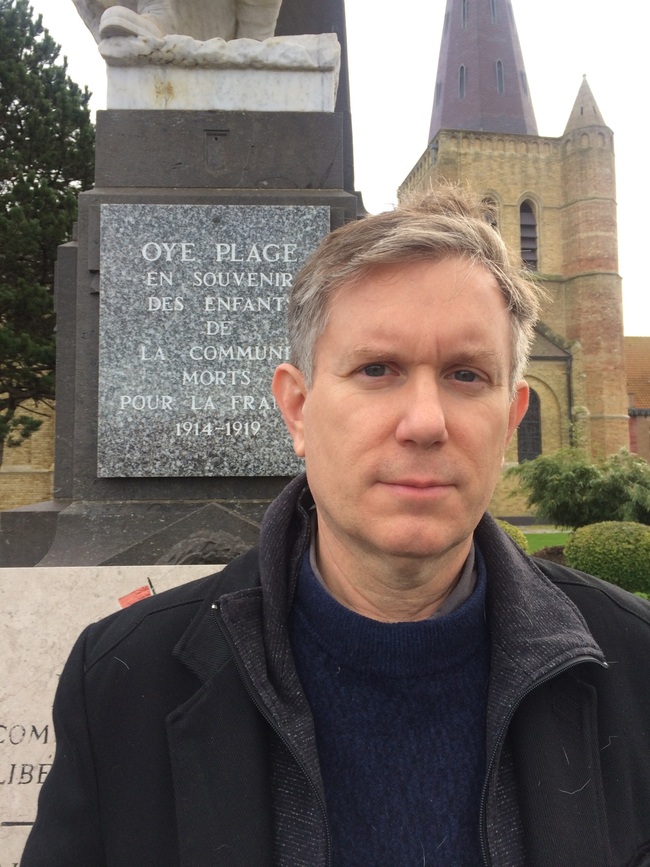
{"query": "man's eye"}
[(375, 369), (465, 376)]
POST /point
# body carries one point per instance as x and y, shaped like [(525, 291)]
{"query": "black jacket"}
[(184, 738)]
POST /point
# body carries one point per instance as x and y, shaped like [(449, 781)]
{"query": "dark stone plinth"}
[(27, 532), (220, 149), (128, 533)]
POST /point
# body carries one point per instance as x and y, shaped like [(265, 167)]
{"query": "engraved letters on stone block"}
[(192, 326)]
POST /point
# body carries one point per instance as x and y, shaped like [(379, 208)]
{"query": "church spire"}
[(585, 112), (481, 83)]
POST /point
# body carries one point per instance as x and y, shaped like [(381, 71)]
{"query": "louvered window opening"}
[(528, 229)]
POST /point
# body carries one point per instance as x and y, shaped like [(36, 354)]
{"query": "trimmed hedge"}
[(618, 551), (515, 534)]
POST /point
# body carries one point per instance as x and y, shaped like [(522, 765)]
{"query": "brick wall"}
[(26, 472)]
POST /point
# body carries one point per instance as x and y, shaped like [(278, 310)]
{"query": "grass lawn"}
[(545, 540)]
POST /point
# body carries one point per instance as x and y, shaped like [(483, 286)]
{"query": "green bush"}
[(617, 551), (515, 534), (568, 489)]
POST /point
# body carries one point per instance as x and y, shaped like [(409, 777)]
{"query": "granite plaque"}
[(192, 326)]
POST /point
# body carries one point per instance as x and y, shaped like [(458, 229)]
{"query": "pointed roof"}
[(585, 112), (481, 83)]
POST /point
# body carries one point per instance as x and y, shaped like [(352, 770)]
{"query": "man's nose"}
[(422, 415)]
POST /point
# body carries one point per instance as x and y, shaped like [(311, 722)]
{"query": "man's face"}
[(405, 425)]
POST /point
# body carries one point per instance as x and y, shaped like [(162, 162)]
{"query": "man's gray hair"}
[(430, 227)]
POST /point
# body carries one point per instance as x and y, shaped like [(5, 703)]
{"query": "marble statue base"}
[(288, 73)]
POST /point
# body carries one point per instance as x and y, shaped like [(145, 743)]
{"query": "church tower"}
[(481, 83), (556, 202)]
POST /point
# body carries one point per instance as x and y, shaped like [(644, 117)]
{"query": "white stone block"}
[(288, 73)]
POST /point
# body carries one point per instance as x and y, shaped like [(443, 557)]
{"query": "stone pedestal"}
[(290, 73), (170, 306)]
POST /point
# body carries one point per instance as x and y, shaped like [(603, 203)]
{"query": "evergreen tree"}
[(568, 489), (46, 158)]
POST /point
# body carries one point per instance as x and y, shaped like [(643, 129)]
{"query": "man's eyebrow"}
[(370, 353), (476, 356)]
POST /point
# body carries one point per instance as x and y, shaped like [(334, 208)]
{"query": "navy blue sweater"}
[(399, 710)]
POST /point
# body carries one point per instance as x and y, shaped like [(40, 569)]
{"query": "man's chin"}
[(424, 545)]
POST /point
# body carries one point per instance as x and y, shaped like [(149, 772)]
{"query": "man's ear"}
[(518, 407), (289, 391)]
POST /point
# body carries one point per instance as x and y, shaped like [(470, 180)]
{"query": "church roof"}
[(585, 112), (481, 83), (637, 365)]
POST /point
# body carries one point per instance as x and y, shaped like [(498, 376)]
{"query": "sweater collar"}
[(405, 649)]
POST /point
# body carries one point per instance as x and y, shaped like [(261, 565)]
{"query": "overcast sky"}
[(393, 54)]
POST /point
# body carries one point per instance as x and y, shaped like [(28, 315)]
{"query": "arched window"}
[(529, 436), (528, 232), (500, 79), (462, 82)]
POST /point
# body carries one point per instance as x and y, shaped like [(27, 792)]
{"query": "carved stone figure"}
[(200, 19)]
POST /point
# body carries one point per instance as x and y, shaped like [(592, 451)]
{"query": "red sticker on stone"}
[(134, 596)]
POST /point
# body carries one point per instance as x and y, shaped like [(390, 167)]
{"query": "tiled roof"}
[(637, 364)]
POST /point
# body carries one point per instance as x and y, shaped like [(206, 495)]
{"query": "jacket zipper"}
[(259, 704), (561, 669)]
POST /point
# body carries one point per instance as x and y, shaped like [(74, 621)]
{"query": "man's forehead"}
[(452, 275), (396, 274)]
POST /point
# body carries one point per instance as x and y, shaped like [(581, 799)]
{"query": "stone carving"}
[(200, 19), (204, 547), (312, 52)]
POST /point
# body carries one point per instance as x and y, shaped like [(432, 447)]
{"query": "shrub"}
[(617, 551), (515, 534), (569, 490), (554, 553)]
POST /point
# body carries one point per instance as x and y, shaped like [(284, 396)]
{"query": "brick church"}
[(555, 201)]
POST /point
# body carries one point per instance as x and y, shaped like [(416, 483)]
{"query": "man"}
[(387, 681)]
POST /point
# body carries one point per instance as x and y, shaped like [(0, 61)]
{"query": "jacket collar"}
[(534, 627)]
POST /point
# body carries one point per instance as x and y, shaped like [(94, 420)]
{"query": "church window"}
[(528, 235), (529, 435), (500, 79), (524, 81), (493, 10), (446, 24), (462, 82), (464, 14)]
